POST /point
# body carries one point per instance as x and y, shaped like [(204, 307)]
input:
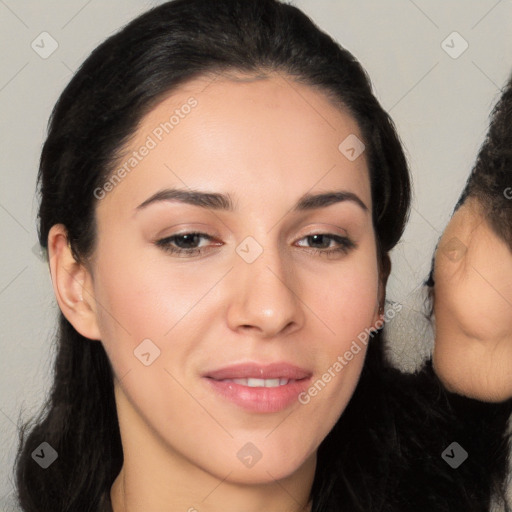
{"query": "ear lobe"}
[(72, 284)]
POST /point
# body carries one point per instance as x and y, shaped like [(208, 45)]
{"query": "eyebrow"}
[(218, 201)]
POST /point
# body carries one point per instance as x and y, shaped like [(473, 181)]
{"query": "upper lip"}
[(259, 371)]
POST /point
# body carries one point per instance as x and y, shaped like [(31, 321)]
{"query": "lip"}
[(259, 371), (259, 399)]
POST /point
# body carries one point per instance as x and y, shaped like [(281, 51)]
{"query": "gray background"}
[(440, 105)]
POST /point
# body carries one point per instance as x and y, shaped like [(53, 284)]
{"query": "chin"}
[(266, 470)]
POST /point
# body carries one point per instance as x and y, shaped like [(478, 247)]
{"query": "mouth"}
[(259, 371), (259, 388), (260, 383)]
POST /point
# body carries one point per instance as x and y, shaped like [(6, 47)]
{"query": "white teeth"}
[(259, 383), (256, 383)]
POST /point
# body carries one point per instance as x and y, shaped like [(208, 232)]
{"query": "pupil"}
[(180, 239), (316, 237)]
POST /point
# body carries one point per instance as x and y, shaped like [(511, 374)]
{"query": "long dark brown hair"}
[(384, 454)]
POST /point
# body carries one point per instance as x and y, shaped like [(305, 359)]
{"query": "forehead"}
[(247, 136)]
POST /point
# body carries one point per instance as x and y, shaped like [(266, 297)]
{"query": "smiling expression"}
[(231, 186)]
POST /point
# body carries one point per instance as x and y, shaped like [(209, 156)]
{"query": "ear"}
[(72, 284), (384, 271)]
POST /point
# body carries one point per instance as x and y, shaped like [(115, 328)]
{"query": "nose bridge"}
[(264, 291)]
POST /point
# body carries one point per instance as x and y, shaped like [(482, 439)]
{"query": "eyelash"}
[(346, 245)]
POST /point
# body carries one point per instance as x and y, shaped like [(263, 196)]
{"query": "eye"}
[(185, 244), (345, 244)]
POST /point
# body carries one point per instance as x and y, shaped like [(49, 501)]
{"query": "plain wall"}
[(439, 103)]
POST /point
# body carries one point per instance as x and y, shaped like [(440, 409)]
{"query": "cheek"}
[(346, 296), (134, 303), (347, 305)]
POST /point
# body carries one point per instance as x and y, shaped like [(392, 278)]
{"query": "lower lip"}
[(260, 399)]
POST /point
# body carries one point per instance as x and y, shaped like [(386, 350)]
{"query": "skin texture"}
[(266, 144), (473, 307)]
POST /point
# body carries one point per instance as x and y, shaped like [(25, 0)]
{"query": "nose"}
[(265, 297)]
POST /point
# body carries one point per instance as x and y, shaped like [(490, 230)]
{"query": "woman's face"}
[(473, 295), (263, 298)]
